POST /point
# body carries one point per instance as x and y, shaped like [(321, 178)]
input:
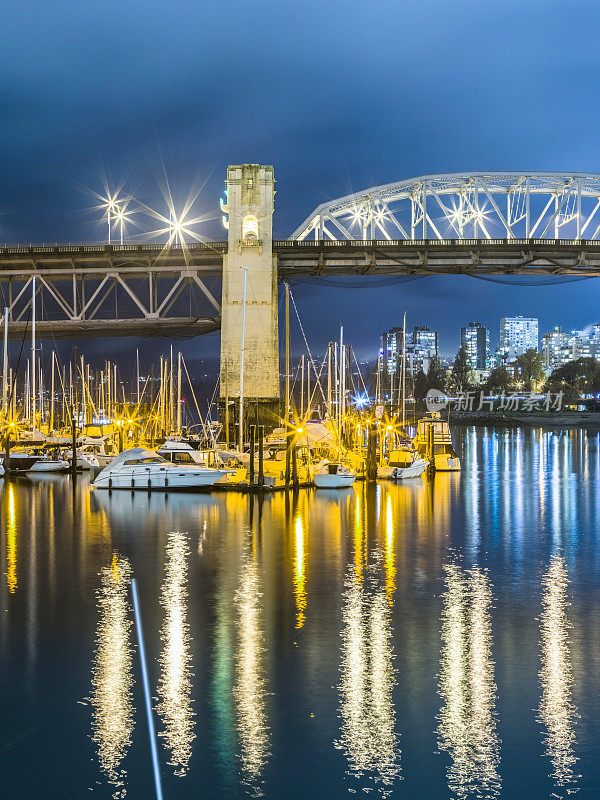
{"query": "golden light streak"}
[(367, 734), (557, 712), (112, 676), (390, 568), (467, 720), (11, 544), (249, 689), (299, 576), (358, 540), (174, 687)]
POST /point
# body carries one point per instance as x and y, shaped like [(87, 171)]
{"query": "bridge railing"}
[(365, 243), (114, 248)]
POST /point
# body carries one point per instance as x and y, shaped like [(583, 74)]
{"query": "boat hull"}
[(165, 480), (49, 466), (327, 481)]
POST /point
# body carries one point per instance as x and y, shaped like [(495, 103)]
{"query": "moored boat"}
[(434, 443), (330, 475), (138, 468)]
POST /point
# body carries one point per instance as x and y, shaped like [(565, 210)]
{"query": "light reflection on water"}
[(299, 574), (467, 720), (348, 631), (250, 678), (557, 712), (112, 678), (367, 736), (175, 686), (11, 543)]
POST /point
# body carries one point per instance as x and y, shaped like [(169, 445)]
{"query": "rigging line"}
[(14, 383), (314, 391), (308, 348), (212, 399), (194, 396), (359, 373)]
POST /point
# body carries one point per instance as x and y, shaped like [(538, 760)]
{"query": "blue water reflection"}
[(431, 639)]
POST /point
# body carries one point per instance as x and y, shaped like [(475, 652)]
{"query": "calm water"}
[(437, 639)]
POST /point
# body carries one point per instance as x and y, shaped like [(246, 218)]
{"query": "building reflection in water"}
[(250, 680), (111, 698), (175, 688), (11, 543), (557, 712), (367, 734), (467, 720), (299, 574)]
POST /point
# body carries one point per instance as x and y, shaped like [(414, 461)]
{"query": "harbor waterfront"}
[(433, 638)]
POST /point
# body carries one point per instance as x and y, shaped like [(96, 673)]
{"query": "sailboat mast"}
[(329, 379), (51, 428), (33, 355), (403, 368), (287, 353), (302, 386), (137, 373), (5, 365), (178, 394), (341, 383), (308, 387)]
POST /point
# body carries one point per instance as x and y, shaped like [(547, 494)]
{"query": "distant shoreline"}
[(516, 419)]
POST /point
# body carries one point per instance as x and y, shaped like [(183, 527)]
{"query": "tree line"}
[(575, 379)]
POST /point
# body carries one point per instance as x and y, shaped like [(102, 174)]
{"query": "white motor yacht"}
[(328, 475), (403, 464), (85, 459), (145, 469), (47, 463), (181, 453)]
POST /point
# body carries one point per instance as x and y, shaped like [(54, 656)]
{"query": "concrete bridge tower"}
[(249, 217)]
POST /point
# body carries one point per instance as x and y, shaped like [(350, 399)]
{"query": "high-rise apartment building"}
[(559, 347), (475, 338), (420, 347), (423, 346), (517, 334)]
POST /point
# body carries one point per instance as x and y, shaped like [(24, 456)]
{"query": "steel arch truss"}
[(84, 291), (480, 205)]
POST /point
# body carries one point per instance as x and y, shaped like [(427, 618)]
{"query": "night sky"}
[(337, 96)]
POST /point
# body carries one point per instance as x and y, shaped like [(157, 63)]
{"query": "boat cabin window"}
[(332, 469), (150, 460), (181, 458), (131, 462)]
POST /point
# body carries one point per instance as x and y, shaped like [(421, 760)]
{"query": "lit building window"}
[(250, 227)]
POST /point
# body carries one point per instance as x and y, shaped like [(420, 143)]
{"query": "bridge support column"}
[(249, 210)]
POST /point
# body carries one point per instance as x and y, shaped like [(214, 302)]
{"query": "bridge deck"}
[(310, 258), (143, 290)]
